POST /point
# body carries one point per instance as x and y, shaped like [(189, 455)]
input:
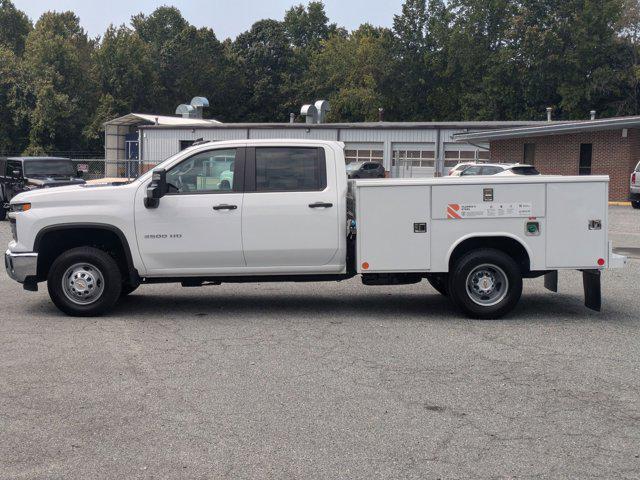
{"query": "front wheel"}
[(485, 283), (84, 282), (635, 205)]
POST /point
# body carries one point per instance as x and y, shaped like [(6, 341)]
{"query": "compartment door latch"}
[(595, 224)]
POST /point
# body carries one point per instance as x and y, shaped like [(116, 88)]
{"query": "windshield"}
[(354, 166), (49, 168)]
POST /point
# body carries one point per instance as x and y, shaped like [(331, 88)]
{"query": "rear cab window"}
[(289, 169)]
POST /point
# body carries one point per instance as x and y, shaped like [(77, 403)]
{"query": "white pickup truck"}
[(284, 210)]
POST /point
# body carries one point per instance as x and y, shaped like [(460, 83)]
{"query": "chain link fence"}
[(94, 168)]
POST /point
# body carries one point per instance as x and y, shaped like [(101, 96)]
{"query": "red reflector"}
[(365, 266), (601, 261)]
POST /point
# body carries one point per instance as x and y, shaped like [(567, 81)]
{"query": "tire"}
[(503, 287), (99, 278), (636, 205), (127, 289), (440, 283)]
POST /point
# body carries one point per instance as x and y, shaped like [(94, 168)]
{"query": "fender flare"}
[(133, 273), (486, 235)]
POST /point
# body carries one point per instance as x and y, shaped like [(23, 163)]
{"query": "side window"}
[(491, 170), (210, 172), (475, 170), (290, 169), (13, 166)]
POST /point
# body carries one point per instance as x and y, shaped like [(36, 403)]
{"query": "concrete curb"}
[(620, 204)]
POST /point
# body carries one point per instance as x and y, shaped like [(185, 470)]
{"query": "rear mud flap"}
[(592, 291), (551, 281)]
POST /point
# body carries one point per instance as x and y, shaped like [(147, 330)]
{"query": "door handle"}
[(225, 207), (320, 205)]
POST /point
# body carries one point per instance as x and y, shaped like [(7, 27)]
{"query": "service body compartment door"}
[(576, 224), (394, 228)]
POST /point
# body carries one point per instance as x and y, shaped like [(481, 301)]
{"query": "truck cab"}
[(284, 210)]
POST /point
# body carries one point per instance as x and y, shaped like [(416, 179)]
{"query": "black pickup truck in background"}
[(20, 174)]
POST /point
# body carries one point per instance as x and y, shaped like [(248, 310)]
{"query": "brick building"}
[(592, 147)]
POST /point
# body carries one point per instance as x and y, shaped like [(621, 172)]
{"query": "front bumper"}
[(21, 266)]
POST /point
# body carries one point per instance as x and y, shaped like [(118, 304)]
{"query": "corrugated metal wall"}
[(160, 143)]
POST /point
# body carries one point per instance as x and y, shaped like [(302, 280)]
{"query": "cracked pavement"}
[(333, 380)]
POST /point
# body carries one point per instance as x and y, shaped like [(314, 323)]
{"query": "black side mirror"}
[(79, 173), (156, 189)]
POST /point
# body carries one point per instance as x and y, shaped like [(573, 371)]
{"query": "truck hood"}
[(42, 182), (75, 194)]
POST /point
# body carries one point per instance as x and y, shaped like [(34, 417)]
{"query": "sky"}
[(227, 18)]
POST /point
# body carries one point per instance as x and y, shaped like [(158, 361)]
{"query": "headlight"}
[(20, 207)]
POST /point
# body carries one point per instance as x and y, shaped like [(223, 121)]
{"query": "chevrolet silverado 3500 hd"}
[(284, 210)]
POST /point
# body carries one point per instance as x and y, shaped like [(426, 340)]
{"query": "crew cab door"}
[(196, 229), (290, 214)]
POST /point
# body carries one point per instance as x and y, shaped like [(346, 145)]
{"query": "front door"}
[(290, 214), (196, 229)]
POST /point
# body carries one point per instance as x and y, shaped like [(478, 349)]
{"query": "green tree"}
[(355, 73), (14, 27), (264, 56), (58, 59)]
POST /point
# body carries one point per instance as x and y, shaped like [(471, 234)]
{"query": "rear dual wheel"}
[(485, 283), (635, 205)]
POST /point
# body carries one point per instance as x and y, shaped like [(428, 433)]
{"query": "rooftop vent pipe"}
[(381, 114), (193, 109), (323, 107), (310, 113), (593, 114), (549, 110)]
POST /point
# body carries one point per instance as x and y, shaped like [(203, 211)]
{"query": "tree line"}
[(441, 60)]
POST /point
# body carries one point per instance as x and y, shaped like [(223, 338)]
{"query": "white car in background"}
[(634, 188), (501, 169)]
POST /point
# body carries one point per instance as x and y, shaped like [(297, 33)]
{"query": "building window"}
[(364, 155), (529, 153), (453, 157), (415, 158), (586, 151)]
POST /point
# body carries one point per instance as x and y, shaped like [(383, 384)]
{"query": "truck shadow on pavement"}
[(427, 306)]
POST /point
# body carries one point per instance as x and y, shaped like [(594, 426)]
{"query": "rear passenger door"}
[(290, 212)]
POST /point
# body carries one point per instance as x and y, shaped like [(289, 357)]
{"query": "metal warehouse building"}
[(404, 148)]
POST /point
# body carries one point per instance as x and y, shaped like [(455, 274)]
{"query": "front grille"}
[(14, 230)]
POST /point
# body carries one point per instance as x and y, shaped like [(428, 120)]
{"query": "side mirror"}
[(79, 173), (156, 189)]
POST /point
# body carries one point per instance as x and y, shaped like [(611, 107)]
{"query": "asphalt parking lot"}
[(331, 380)]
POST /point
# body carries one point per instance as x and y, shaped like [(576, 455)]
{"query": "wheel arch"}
[(52, 240), (502, 241)]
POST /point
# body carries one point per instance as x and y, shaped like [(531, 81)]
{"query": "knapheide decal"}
[(456, 211), (453, 211)]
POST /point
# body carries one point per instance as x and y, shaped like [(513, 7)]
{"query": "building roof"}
[(550, 128), (161, 120), (353, 125)]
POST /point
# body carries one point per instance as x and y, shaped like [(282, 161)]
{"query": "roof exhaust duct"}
[(593, 114), (310, 113), (323, 107), (549, 110), (194, 109)]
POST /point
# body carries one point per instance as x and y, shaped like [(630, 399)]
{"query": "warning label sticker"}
[(489, 210)]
